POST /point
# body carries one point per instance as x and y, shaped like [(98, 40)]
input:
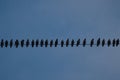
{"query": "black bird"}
[(51, 43), (2, 43), (103, 42), (27, 43), (67, 42), (98, 42), (56, 42), (37, 43), (42, 43), (91, 42), (117, 42), (62, 43), (46, 43), (22, 43), (113, 43), (78, 42), (84, 42), (72, 43), (32, 43), (109, 43), (11, 43), (16, 43), (6, 43)]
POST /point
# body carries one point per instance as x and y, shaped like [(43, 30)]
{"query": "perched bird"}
[(98, 42), (51, 43), (32, 43), (46, 43), (2, 43), (37, 43), (22, 43), (67, 42), (72, 43), (103, 42), (42, 43), (78, 42), (84, 42), (27, 43), (56, 42), (117, 42), (6, 43), (113, 43), (91, 42), (11, 43), (16, 43), (109, 43), (62, 43)]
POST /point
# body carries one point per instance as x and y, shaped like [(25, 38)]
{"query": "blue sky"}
[(51, 19)]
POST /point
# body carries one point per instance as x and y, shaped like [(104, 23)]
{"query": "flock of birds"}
[(45, 43)]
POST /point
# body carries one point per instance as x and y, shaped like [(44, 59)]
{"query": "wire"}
[(55, 43)]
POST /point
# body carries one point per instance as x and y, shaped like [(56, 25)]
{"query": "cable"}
[(62, 43)]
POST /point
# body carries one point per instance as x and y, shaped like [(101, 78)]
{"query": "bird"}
[(109, 43), (103, 42), (84, 42), (16, 43), (11, 43), (6, 43), (56, 42), (42, 43), (62, 43), (27, 43), (78, 42), (37, 43), (72, 43), (46, 43), (113, 43), (22, 43), (98, 42), (67, 42), (32, 43), (91, 42), (117, 42), (2, 43), (51, 43)]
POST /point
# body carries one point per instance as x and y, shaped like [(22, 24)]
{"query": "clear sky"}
[(51, 19)]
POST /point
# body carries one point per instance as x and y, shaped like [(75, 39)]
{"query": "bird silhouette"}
[(56, 42), (67, 42), (72, 43), (42, 43), (16, 43), (113, 43), (103, 42), (98, 42), (37, 43), (109, 43), (2, 43), (78, 42), (62, 43), (11, 43), (22, 43), (46, 43), (27, 43), (84, 42), (91, 42), (32, 43), (117, 42), (6, 43), (51, 43)]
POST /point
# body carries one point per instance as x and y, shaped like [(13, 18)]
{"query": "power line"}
[(62, 43)]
